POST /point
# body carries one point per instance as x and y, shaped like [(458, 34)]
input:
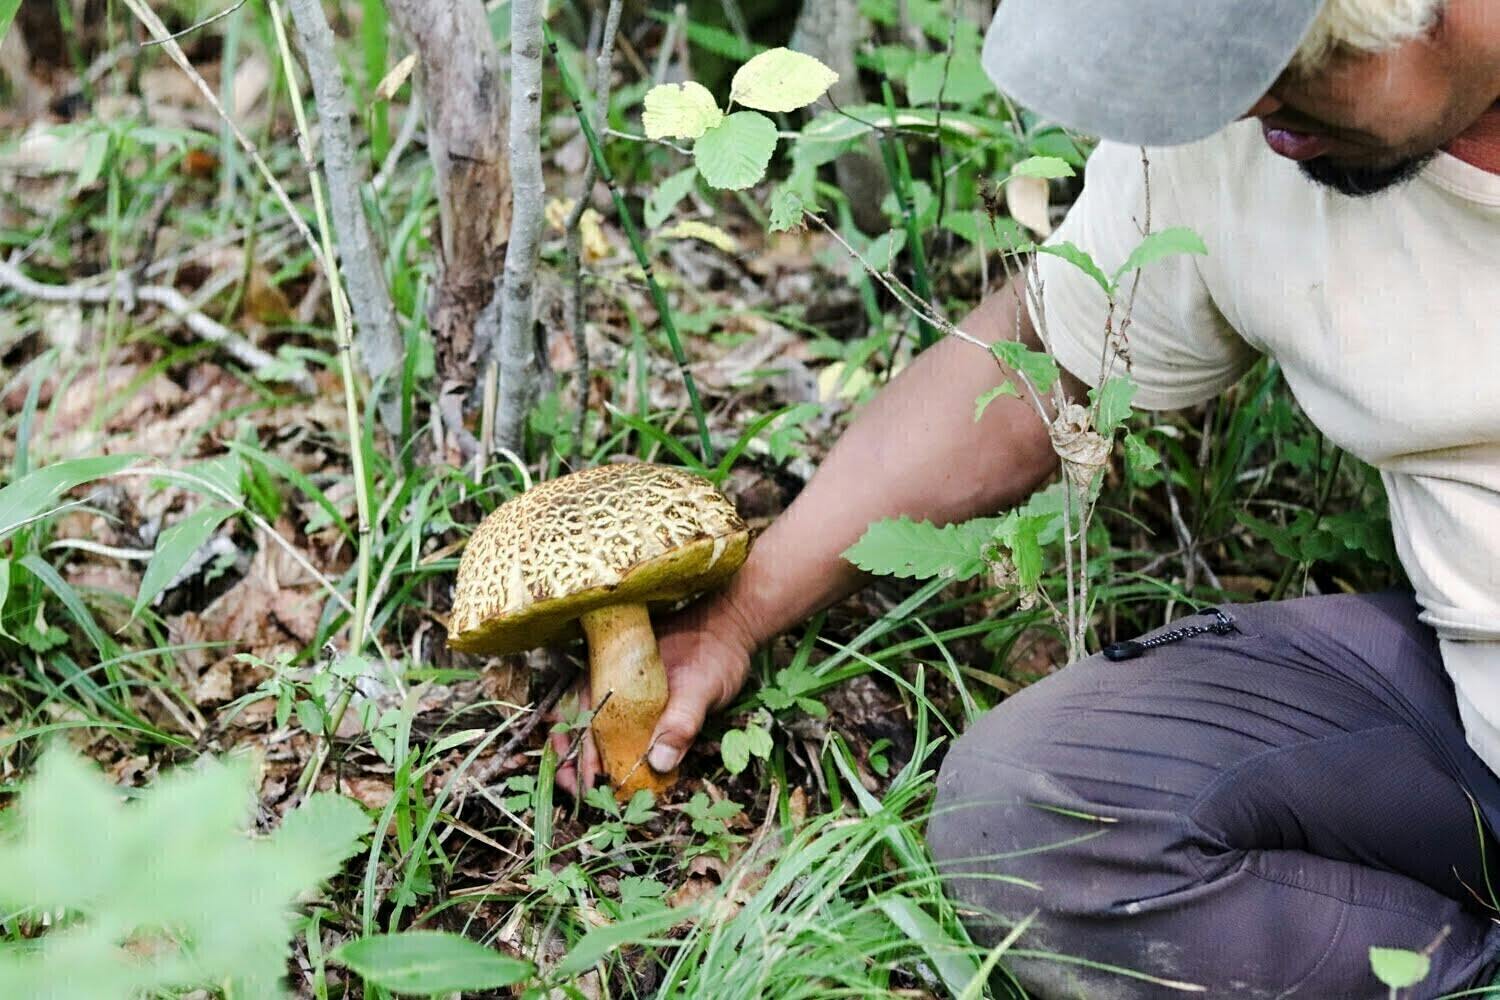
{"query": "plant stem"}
[(658, 296), (343, 335), (573, 282)]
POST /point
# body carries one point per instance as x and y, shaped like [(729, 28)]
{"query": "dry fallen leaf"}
[(1027, 200)]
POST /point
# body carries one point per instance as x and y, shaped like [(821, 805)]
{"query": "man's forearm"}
[(915, 450)]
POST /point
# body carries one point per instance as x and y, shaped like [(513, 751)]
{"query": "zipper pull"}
[(1127, 650)]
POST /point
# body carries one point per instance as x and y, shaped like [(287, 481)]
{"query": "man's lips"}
[(1294, 145)]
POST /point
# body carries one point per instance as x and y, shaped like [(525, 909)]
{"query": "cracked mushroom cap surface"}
[(617, 534)]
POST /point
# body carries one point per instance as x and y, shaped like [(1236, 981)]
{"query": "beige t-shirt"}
[(1384, 314)]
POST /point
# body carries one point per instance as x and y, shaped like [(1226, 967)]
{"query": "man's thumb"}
[(676, 730)]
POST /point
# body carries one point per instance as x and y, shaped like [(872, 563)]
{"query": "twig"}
[(379, 340), (197, 25), (515, 350), (128, 295), (404, 137), (484, 773), (573, 280)]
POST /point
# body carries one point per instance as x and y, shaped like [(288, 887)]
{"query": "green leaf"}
[(602, 941), (1163, 244), (1398, 968), (780, 80), (1002, 233), (430, 962), (959, 80), (759, 741), (734, 154), (667, 194), (1078, 259), (735, 749), (1139, 455), (1048, 167), (1040, 368), (953, 961), (28, 496), (174, 547), (8, 10), (911, 549), (1113, 400), (1006, 388), (787, 209), (680, 111), (175, 871)]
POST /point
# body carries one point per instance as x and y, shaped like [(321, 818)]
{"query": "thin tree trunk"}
[(378, 340), (515, 352), (464, 96)]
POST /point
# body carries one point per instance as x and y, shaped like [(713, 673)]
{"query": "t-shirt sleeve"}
[(1181, 349)]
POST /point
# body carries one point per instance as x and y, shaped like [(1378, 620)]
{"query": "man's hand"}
[(706, 650)]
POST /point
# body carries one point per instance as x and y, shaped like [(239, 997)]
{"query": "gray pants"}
[(1247, 812)]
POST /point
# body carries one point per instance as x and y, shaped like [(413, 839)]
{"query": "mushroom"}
[(595, 550)]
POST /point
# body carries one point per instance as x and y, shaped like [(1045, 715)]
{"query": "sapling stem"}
[(658, 296)]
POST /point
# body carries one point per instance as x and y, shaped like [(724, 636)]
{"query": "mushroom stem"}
[(625, 666)]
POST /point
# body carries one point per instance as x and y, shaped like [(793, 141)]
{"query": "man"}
[(1249, 811)]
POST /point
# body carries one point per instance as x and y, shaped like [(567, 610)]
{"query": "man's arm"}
[(915, 449)]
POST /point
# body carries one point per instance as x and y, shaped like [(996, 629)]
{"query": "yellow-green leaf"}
[(680, 111), (781, 80)]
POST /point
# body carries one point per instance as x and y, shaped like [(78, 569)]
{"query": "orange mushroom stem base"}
[(625, 665)]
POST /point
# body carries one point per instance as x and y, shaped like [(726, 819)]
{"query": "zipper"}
[(1131, 648)]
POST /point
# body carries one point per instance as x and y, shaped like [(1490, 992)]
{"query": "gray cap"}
[(1153, 72)]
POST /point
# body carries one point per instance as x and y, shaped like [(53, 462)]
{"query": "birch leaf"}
[(680, 111), (735, 153), (781, 80)]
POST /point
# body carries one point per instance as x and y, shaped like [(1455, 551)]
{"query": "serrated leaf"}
[(1040, 368), (174, 547), (430, 962), (1166, 243), (679, 111), (1398, 968), (28, 496), (666, 195), (1006, 388), (780, 80), (1079, 259), (1046, 167), (693, 229), (1113, 402), (787, 209), (734, 748), (1139, 455), (734, 154), (921, 550)]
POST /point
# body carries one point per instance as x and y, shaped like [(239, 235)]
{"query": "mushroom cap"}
[(617, 534)]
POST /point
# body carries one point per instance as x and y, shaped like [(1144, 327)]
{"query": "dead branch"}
[(123, 292)]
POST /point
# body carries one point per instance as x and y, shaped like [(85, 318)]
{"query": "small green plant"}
[(115, 899), (732, 150), (711, 822), (613, 833)]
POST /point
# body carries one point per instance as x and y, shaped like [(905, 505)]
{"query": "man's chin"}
[(1359, 181)]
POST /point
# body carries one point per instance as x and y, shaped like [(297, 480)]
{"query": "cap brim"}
[(1150, 72)]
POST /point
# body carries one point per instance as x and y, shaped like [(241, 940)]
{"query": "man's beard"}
[(1361, 182)]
